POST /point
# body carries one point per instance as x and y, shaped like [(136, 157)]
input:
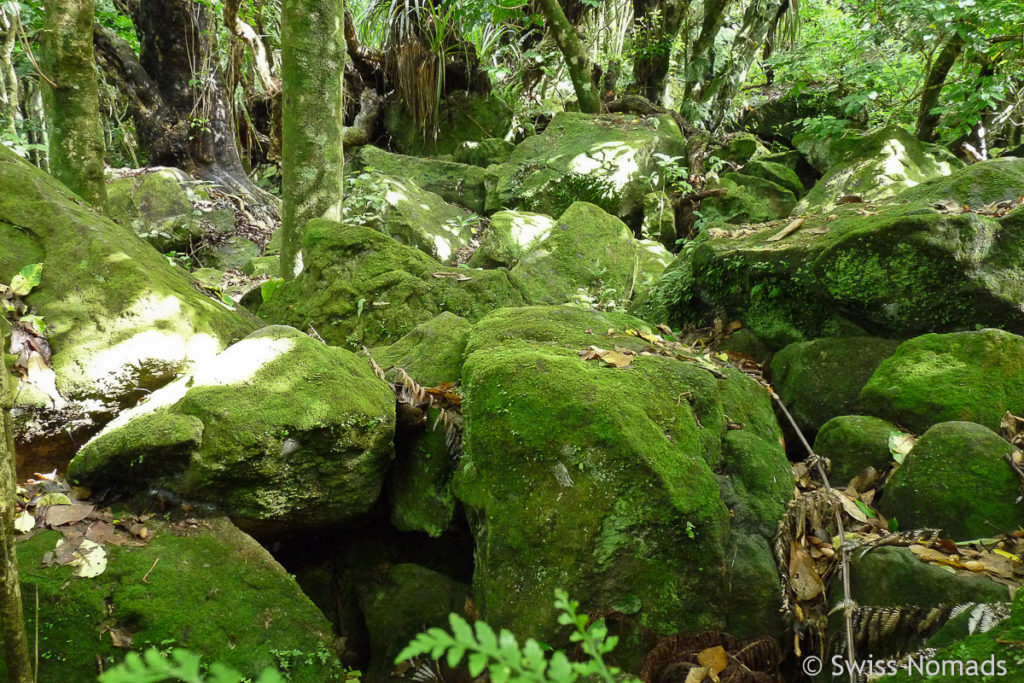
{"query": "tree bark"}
[(247, 34), (581, 70), (10, 22), (72, 106), (700, 66), (313, 161), (12, 617), (933, 83), (176, 92), (656, 24)]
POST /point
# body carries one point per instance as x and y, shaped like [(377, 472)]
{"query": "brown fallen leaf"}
[(617, 359), (786, 231), (714, 658), (458, 277), (696, 675), (57, 515), (803, 577)]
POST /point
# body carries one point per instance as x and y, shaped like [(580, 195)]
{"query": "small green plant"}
[(182, 665), (506, 662), (672, 176)]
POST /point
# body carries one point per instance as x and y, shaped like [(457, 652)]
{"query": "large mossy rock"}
[(896, 271), (956, 478), (157, 205), (208, 588), (510, 236), (876, 166), (748, 199), (412, 215), (361, 287), (462, 117), (587, 249), (977, 185), (604, 481), (822, 379), (854, 443), (408, 601), (460, 184), (604, 160), (484, 152), (279, 431), (972, 376), (420, 491), (118, 317)]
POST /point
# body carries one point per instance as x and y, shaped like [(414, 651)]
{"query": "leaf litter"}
[(48, 502)]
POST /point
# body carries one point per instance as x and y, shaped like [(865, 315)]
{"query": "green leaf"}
[(35, 321), (900, 444), (865, 508), (268, 288), (27, 278), (477, 663), (485, 636)]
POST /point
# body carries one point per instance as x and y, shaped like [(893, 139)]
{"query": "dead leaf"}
[(786, 231), (803, 576), (850, 199), (120, 638), (56, 515), (714, 658), (665, 329), (850, 507), (900, 444), (24, 522), (696, 674), (617, 359), (458, 277)]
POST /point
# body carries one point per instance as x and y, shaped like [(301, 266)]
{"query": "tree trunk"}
[(313, 162), (933, 82), (700, 66), (656, 24), (10, 105), (72, 104), (12, 617), (581, 70)]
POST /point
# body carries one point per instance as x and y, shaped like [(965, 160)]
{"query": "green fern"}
[(183, 665), (506, 662)]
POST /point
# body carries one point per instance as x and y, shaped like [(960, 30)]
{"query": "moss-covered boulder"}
[(740, 148), (588, 251), (461, 117), (279, 431), (410, 214), (956, 478), (157, 205), (407, 602), (232, 253), (972, 376), (420, 491), (208, 588), (118, 317), (821, 379), (748, 199), (460, 184), (995, 180), (876, 166), (776, 172), (509, 237), (652, 260), (659, 219), (604, 160), (361, 287), (602, 480), (894, 270), (854, 443), (484, 152)]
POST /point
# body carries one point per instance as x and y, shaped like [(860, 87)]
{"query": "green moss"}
[(898, 271), (360, 287), (820, 379), (603, 160), (421, 496), (853, 443), (408, 601), (293, 434), (484, 152), (957, 479), (510, 236), (659, 219), (973, 376), (586, 249), (20, 250), (640, 483), (877, 166), (783, 176), (748, 199), (432, 352), (214, 591), (994, 180), (753, 603), (762, 483), (462, 117), (456, 183)]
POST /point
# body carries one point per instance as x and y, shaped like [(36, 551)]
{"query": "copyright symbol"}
[(811, 665)]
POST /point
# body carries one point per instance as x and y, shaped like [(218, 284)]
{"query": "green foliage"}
[(507, 662), (182, 665)]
